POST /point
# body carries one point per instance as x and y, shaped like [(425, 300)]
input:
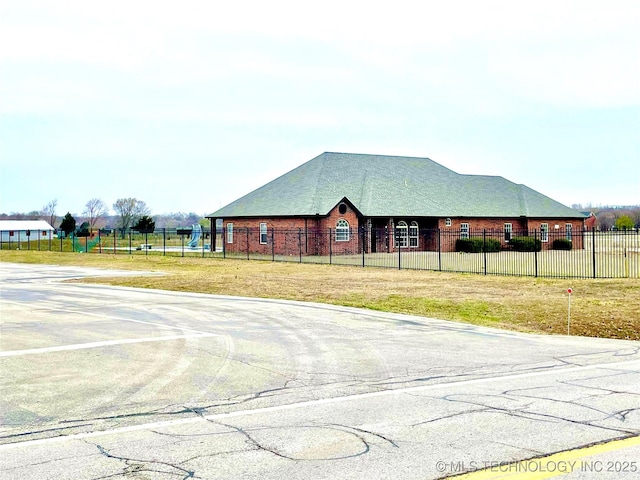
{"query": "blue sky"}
[(189, 105)]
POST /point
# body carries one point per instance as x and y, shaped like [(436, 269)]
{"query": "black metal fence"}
[(553, 253)]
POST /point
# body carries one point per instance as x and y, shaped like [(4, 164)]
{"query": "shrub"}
[(562, 244), (525, 244), (468, 245), (477, 244), (83, 230), (492, 245)]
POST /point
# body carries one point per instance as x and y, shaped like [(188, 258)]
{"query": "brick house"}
[(342, 203)]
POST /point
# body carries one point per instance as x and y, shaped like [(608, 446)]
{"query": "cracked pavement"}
[(104, 382)]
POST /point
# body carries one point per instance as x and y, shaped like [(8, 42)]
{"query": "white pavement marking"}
[(312, 403), (105, 343)]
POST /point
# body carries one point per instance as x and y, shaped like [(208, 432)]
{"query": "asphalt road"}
[(104, 382)]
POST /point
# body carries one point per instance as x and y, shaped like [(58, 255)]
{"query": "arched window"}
[(402, 234), (413, 234), (342, 231)]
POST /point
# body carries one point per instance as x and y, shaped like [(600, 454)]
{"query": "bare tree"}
[(49, 211), (635, 215), (606, 220), (129, 210), (94, 210)]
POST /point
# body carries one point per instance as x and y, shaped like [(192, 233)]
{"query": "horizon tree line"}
[(128, 211)]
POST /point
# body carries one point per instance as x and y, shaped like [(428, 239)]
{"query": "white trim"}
[(414, 235), (402, 234), (263, 232), (508, 231), (342, 230), (229, 232), (544, 232), (464, 230)]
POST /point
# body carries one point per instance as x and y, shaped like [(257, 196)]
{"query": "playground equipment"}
[(196, 232)]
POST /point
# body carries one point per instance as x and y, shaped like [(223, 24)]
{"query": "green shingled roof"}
[(388, 186)]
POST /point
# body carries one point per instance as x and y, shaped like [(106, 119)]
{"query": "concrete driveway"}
[(105, 382)]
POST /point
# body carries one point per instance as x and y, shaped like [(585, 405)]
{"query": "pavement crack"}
[(46, 430), (134, 465), (356, 429), (538, 416), (453, 415), (252, 441)]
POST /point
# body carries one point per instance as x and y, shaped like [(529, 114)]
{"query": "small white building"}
[(24, 231)]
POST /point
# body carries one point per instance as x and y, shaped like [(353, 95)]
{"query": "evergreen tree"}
[(145, 224), (68, 224)]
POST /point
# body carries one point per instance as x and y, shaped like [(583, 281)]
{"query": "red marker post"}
[(569, 291)]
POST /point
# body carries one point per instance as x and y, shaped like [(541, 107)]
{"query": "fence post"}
[(535, 250), (273, 245), (362, 242), (484, 248), (593, 248), (164, 241), (330, 247), (439, 249), (50, 238), (224, 242), (396, 237), (86, 244), (99, 242), (182, 243), (115, 241), (28, 239), (130, 252)]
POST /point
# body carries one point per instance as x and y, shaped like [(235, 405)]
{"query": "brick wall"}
[(292, 236), (317, 235)]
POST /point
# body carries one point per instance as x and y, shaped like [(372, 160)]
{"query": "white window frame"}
[(508, 231), (402, 234), (568, 230), (263, 234), (464, 230), (342, 231), (229, 232), (414, 234), (544, 232), (447, 222)]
